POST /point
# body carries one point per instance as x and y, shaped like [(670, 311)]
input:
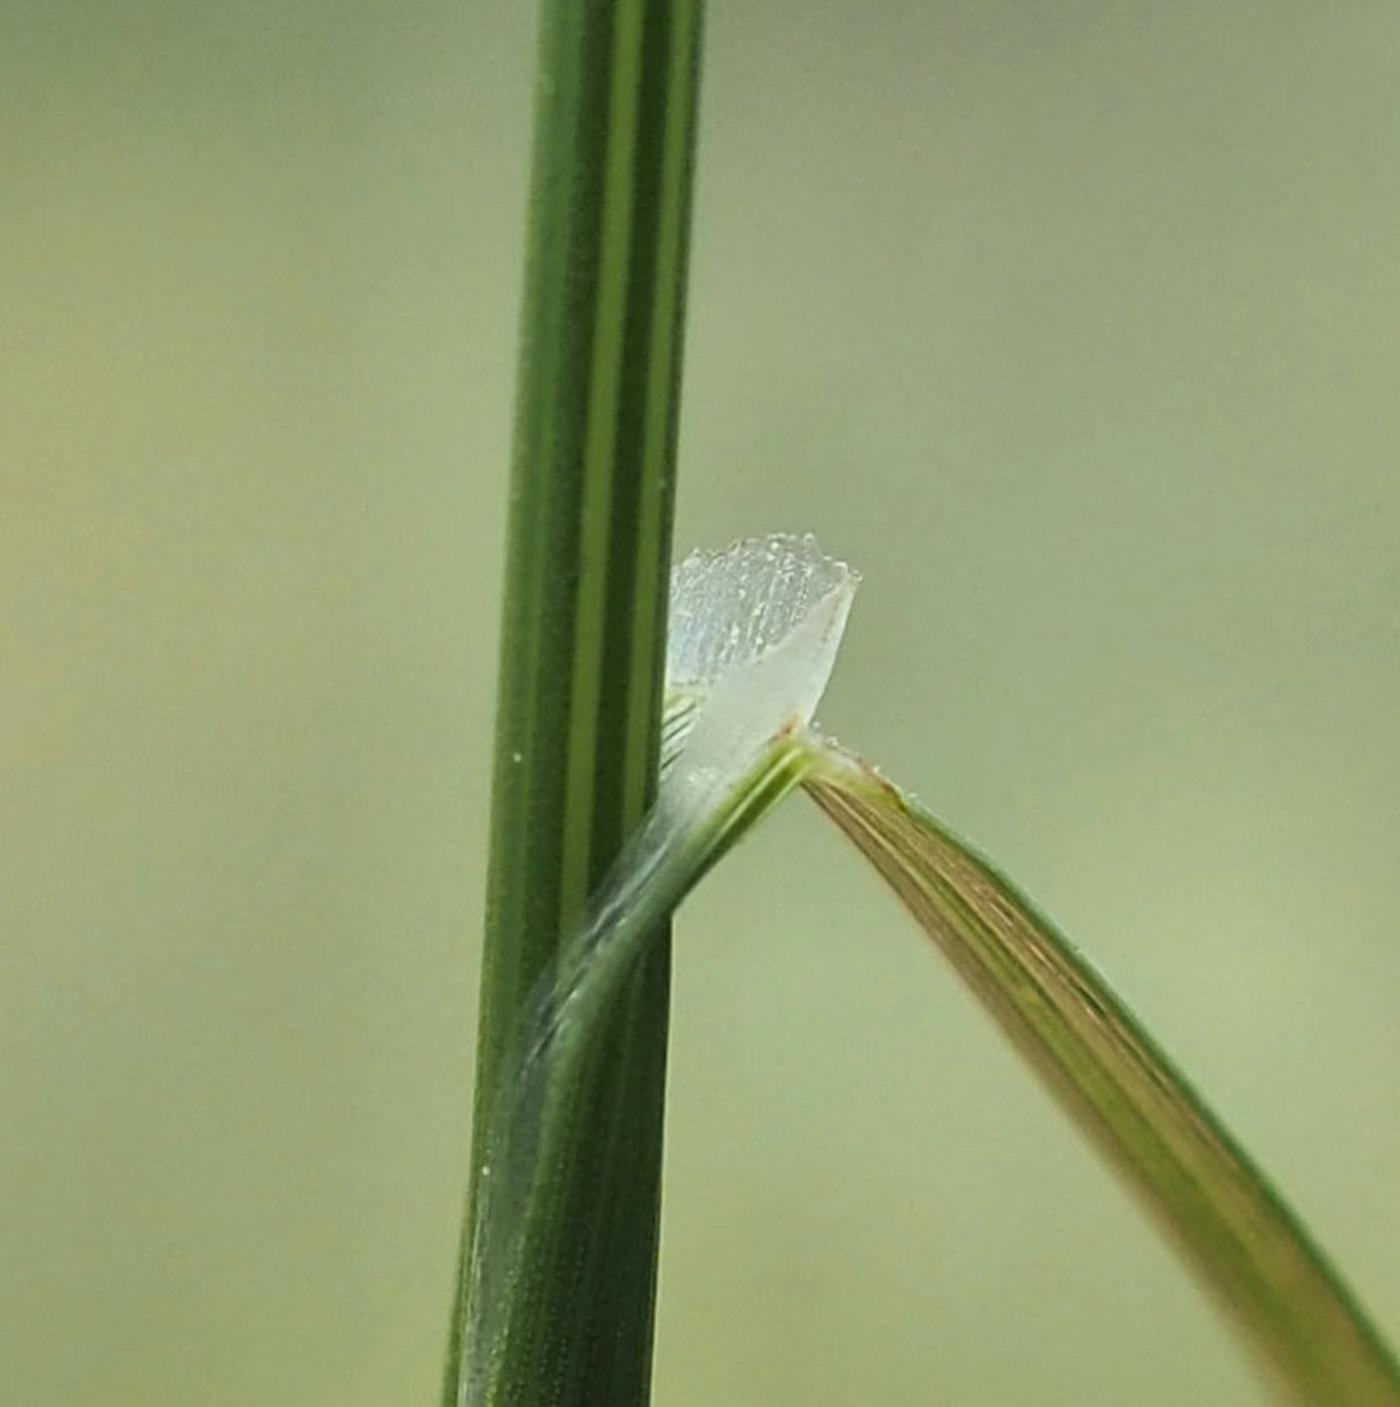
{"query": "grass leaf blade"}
[(1236, 1232)]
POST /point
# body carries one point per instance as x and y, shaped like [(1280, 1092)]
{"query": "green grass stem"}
[(582, 656)]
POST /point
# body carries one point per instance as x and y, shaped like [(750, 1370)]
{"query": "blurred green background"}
[(1077, 326)]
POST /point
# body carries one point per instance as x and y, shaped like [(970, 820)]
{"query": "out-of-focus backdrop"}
[(1076, 326)]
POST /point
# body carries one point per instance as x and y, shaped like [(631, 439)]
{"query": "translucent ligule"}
[(678, 718), (728, 607), (754, 632)]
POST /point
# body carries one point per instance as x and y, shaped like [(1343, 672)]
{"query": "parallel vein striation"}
[(582, 650)]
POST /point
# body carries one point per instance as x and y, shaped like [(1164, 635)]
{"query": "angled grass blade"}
[(1307, 1332)]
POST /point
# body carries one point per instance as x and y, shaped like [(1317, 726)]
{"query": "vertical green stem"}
[(582, 656)]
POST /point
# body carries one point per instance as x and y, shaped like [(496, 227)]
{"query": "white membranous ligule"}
[(754, 632)]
